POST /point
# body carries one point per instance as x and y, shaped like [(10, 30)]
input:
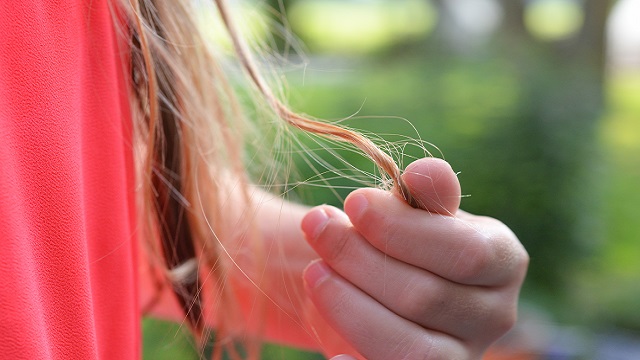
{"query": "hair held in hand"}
[(189, 138), (379, 157)]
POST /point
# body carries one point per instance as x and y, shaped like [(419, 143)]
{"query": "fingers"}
[(467, 313), (375, 332), (467, 250), (434, 185), (432, 284), (457, 249)]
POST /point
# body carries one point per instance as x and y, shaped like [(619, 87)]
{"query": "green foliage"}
[(606, 288), (520, 139), (537, 147), (534, 150), (164, 340)]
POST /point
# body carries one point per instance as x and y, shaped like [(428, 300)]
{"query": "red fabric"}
[(67, 254)]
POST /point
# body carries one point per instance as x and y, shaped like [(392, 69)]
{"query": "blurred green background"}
[(537, 105)]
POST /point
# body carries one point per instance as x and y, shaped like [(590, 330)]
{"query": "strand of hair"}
[(379, 157)]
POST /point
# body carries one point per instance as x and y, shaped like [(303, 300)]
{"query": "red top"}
[(67, 254)]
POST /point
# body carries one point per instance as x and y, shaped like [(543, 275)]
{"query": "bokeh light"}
[(360, 26), (553, 20)]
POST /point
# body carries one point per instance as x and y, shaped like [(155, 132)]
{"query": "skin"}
[(381, 280), (402, 283)]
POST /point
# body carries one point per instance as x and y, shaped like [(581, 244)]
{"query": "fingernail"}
[(343, 357), (314, 222), (356, 205), (316, 273)]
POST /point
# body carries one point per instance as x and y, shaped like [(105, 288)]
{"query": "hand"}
[(402, 283)]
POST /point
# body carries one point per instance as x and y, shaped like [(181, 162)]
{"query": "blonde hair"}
[(189, 130)]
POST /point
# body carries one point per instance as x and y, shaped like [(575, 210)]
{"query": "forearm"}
[(287, 255), (274, 284)]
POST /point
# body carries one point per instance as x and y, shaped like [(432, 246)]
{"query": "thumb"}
[(433, 185)]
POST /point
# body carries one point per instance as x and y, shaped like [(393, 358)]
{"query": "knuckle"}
[(421, 297), (474, 262), (502, 315), (521, 263), (509, 256), (495, 254), (505, 321), (522, 256)]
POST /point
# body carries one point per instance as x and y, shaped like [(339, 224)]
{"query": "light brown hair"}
[(189, 131)]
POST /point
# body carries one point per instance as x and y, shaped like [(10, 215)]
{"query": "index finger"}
[(484, 253)]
